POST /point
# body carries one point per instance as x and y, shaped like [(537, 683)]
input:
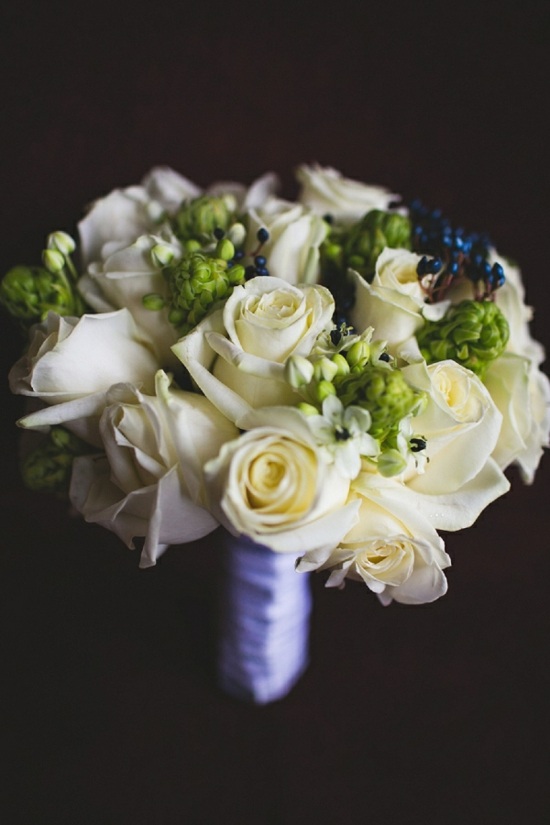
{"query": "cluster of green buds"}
[(362, 374), (383, 391), (48, 467), (29, 292), (196, 283), (202, 219), (473, 333), (359, 246)]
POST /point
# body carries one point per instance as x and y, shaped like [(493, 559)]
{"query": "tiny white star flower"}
[(342, 435)]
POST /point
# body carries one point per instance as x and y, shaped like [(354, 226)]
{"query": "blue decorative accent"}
[(450, 254)]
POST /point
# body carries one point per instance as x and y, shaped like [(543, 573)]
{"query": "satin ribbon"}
[(264, 634)]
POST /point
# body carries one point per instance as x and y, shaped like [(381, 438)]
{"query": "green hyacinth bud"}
[(162, 254), (225, 249), (473, 333), (384, 393), (322, 390), (197, 219), (196, 284), (358, 355), (342, 366), (298, 371), (369, 236), (48, 467), (30, 292), (325, 369), (53, 260), (307, 409), (62, 242), (391, 462)]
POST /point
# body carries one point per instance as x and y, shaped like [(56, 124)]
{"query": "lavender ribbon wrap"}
[(265, 615)]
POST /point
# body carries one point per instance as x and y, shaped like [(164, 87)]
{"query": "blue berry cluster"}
[(259, 267), (450, 255)]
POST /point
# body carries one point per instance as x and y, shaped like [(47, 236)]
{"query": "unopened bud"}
[(358, 354), (325, 369), (153, 301), (307, 409), (342, 366), (62, 242), (192, 245), (237, 234), (225, 249), (323, 390), (162, 254), (391, 463), (53, 260), (298, 371)]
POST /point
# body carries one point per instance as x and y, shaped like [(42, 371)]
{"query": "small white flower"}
[(342, 435)]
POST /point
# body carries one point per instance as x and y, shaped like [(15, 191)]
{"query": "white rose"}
[(123, 278), (167, 187), (519, 388), (510, 299), (170, 189), (116, 221), (394, 303), (522, 394), (295, 235), (150, 481), (393, 548), (461, 425), (237, 355), (71, 363), (325, 191), (272, 485)]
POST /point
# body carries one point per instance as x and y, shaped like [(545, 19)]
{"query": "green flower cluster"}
[(198, 219), (207, 271), (48, 467), (197, 282), (359, 246), (384, 392), (28, 293), (360, 375), (473, 333)]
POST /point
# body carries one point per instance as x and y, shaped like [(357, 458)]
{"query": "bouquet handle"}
[(265, 616)]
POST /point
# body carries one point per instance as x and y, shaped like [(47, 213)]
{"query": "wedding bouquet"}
[(337, 379)]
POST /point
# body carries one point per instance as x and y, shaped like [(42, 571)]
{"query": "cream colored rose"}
[(326, 191), (237, 355), (72, 363), (518, 386), (295, 235), (272, 485), (123, 278), (393, 548), (150, 481), (522, 394), (394, 303), (461, 425), (116, 221), (168, 188)]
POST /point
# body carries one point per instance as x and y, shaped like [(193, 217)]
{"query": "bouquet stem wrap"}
[(265, 616)]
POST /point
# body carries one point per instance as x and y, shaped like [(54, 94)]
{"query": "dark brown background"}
[(110, 710)]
